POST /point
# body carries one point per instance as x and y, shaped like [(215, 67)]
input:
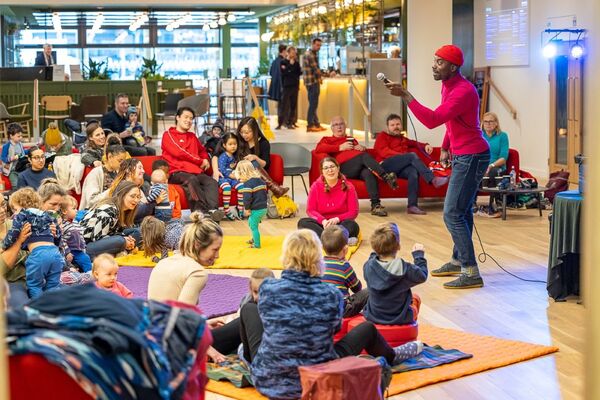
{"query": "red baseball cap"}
[(451, 53)]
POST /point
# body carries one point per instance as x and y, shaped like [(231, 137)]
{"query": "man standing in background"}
[(45, 59), (312, 82), (276, 87), (290, 78)]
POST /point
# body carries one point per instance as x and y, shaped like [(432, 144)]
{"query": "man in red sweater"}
[(459, 111), (356, 163), (188, 161), (397, 154)]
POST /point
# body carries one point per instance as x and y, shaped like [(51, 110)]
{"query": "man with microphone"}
[(459, 111)]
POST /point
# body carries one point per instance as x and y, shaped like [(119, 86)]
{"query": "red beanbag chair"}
[(395, 335), (345, 321)]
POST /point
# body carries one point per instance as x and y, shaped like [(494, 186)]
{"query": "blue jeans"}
[(42, 270), (313, 103), (467, 172), (113, 244), (82, 260)]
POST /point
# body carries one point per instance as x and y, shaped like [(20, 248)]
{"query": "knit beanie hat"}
[(451, 53), (219, 124), (131, 110), (53, 136)]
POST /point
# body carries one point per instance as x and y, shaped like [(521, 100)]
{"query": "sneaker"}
[(415, 210), (465, 282), (353, 241), (391, 179), (312, 129), (407, 350), (232, 214), (379, 210), (439, 181), (447, 269), (319, 128), (216, 215)]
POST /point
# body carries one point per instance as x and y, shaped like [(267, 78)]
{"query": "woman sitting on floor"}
[(36, 172), (182, 276), (332, 200), (295, 320), (108, 226), (94, 146)]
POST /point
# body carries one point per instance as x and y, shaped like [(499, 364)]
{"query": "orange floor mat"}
[(488, 353)]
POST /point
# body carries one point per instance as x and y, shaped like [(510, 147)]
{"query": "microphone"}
[(381, 77)]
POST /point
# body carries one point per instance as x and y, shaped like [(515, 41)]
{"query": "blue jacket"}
[(389, 286), (40, 227), (300, 315), (276, 86)]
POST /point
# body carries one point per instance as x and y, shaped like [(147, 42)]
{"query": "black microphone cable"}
[(482, 257)]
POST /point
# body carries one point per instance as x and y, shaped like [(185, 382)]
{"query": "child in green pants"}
[(255, 198)]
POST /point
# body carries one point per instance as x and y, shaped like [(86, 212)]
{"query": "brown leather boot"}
[(275, 188)]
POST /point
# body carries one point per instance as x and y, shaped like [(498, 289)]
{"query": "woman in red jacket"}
[(332, 200), (356, 163), (188, 161)]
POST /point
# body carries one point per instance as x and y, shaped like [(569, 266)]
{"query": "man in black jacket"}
[(290, 79), (116, 119)]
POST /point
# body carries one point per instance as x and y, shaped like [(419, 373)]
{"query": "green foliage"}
[(96, 71), (263, 68), (150, 70)]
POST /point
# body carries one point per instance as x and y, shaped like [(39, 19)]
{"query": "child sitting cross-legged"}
[(339, 272), (173, 193), (45, 262), (389, 279), (255, 198), (105, 270), (227, 180)]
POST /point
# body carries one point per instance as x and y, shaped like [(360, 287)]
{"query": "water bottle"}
[(513, 177)]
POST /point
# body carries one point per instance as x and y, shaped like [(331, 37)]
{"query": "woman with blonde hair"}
[(295, 321), (498, 141), (183, 276)]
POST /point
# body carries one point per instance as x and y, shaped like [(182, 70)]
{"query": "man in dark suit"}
[(45, 58), (275, 88)]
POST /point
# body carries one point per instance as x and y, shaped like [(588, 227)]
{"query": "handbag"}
[(558, 182)]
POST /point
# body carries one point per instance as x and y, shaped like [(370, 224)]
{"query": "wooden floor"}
[(506, 307)]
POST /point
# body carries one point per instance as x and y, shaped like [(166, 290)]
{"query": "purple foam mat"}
[(221, 295)]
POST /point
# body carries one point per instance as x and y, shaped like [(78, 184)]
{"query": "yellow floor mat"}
[(235, 253), (488, 352)]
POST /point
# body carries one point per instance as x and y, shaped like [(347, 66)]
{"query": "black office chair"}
[(296, 160)]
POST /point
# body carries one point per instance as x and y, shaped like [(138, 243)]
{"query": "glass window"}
[(26, 57), (123, 63), (119, 36), (244, 57), (193, 63), (29, 37), (188, 36), (244, 35)]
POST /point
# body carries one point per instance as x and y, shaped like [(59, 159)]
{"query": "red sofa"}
[(425, 190)]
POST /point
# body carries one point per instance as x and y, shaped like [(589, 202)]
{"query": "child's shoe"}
[(232, 214)]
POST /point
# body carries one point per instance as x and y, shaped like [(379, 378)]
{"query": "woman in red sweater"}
[(356, 163), (332, 200), (188, 161)]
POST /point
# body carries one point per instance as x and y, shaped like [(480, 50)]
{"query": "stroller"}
[(79, 137)]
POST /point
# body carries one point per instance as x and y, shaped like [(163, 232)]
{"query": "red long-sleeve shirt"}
[(183, 151), (331, 145), (387, 146), (339, 203), (460, 112)]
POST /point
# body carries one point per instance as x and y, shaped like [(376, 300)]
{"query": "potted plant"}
[(150, 70), (96, 71)]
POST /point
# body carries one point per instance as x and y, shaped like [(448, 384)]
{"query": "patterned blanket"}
[(235, 371)]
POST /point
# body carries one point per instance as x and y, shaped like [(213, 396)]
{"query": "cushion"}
[(395, 335)]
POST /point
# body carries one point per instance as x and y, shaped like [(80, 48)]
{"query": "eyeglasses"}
[(339, 124), (489, 122), (328, 167), (38, 158)]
